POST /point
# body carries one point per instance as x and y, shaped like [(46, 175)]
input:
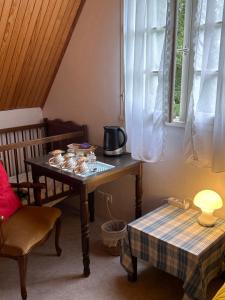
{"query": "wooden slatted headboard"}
[(20, 143)]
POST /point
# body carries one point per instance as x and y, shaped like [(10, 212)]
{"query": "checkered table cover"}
[(171, 239)]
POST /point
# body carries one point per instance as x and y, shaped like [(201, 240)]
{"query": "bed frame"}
[(20, 143)]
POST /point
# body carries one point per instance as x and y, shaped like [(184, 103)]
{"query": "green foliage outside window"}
[(179, 55)]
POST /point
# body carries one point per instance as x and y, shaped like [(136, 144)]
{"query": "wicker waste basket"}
[(112, 233)]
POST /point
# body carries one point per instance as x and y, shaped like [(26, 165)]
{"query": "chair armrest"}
[(22, 189), (31, 185)]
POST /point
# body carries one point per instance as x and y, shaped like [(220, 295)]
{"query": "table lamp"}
[(208, 201)]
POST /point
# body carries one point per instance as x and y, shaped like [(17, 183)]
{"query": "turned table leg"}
[(91, 205), (84, 229)]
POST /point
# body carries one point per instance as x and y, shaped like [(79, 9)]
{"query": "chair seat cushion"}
[(27, 227), (9, 202)]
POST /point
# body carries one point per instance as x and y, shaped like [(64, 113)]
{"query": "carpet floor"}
[(50, 277)]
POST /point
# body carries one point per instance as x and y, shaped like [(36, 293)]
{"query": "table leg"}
[(133, 276), (37, 192), (91, 205), (84, 229), (138, 193)]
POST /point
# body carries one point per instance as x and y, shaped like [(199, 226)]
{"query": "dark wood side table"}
[(124, 165)]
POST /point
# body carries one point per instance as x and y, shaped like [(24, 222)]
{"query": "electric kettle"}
[(115, 139)]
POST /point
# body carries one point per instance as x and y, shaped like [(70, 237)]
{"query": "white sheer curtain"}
[(146, 77), (205, 128)]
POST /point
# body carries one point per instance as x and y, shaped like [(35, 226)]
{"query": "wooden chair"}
[(28, 227)]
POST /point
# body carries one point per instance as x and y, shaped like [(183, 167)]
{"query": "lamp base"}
[(207, 220)]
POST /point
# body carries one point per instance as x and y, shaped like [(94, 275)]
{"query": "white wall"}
[(87, 90), (20, 117)]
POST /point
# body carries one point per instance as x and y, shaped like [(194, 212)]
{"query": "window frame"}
[(187, 64)]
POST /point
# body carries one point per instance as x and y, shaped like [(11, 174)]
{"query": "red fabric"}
[(9, 202)]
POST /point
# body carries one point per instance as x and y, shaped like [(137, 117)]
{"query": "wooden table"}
[(124, 165)]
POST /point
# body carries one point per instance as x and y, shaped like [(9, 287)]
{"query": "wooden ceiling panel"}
[(34, 35)]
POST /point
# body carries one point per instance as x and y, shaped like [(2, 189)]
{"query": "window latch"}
[(186, 50)]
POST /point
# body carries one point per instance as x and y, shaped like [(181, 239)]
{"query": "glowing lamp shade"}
[(208, 201)]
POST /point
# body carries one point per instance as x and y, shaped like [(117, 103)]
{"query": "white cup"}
[(81, 165), (69, 161), (57, 159)]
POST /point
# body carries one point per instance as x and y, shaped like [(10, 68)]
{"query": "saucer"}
[(59, 165)]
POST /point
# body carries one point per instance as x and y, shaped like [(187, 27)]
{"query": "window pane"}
[(151, 91), (214, 51), (177, 88), (199, 51), (219, 10), (180, 20), (155, 44), (156, 13), (179, 58), (207, 99), (203, 8)]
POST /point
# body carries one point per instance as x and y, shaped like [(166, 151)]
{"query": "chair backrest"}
[(15, 154), (13, 158), (20, 143)]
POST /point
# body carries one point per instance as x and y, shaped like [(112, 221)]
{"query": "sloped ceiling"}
[(34, 35)]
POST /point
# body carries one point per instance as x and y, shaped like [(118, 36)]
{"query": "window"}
[(182, 69), (172, 50), (144, 44), (154, 33), (185, 69)]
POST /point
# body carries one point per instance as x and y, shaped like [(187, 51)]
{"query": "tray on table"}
[(93, 168)]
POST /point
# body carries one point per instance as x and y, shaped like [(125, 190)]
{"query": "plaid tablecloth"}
[(170, 238)]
